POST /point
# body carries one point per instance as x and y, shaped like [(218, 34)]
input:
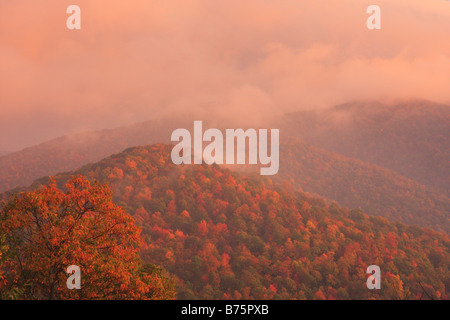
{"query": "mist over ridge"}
[(133, 62)]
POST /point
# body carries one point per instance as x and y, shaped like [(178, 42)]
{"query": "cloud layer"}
[(237, 59)]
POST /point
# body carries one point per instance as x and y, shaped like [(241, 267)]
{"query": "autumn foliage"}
[(223, 235), (410, 137), (43, 232), (229, 236), (354, 183)]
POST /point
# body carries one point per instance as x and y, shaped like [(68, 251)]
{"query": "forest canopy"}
[(42, 232)]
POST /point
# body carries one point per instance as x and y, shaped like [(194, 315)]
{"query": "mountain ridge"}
[(410, 138), (375, 189), (231, 236)]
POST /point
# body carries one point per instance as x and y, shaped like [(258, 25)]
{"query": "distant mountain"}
[(71, 152), (411, 138), (355, 183), (227, 235), (352, 183)]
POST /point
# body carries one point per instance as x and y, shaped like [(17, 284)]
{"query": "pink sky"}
[(134, 60)]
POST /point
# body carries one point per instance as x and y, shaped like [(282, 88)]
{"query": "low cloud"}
[(133, 61)]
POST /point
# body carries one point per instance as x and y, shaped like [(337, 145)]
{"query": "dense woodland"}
[(350, 182), (410, 138), (225, 235), (20, 169), (354, 183), (43, 232)]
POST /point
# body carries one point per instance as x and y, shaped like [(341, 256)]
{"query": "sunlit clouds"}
[(135, 60)]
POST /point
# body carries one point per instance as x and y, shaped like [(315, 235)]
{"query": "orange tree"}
[(43, 232)]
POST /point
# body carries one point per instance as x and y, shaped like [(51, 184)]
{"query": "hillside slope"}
[(225, 235), (66, 153), (411, 138), (354, 183)]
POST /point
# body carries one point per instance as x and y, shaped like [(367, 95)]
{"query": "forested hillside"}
[(224, 235), (67, 153), (411, 138), (354, 183), (47, 232)]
